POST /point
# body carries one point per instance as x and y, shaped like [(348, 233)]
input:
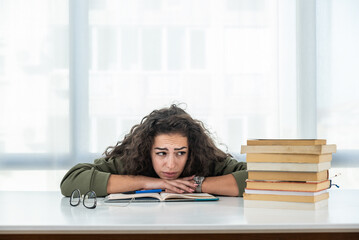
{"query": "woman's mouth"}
[(169, 174)]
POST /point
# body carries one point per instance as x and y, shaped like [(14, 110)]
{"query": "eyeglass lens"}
[(75, 198), (90, 200)]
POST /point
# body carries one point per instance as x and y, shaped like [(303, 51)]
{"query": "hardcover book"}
[(290, 149), (289, 158), (288, 176), (297, 142), (292, 193), (285, 196), (286, 205), (289, 167), (288, 186)]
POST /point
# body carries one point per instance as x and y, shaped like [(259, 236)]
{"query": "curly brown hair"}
[(135, 149)]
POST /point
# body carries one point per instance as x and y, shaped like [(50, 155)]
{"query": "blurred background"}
[(76, 75)]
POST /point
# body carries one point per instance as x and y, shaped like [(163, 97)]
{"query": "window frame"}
[(306, 91)]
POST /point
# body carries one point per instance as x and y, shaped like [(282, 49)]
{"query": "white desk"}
[(50, 213)]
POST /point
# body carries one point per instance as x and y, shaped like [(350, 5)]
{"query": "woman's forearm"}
[(221, 185), (124, 183)]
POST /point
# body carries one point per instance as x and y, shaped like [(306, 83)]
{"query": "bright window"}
[(75, 76)]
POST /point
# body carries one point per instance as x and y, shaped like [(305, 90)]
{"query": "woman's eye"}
[(161, 153), (181, 153)]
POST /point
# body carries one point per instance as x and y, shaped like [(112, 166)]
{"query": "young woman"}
[(168, 150)]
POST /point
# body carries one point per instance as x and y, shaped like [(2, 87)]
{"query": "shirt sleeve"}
[(86, 177), (237, 169)]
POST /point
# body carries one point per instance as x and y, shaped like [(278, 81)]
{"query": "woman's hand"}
[(179, 185)]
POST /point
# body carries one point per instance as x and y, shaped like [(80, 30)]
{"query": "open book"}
[(159, 197)]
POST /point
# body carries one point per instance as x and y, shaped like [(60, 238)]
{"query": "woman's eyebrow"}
[(176, 149), (166, 149), (162, 149)]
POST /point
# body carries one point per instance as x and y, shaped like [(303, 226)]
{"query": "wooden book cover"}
[(315, 149), (286, 198), (288, 176), (289, 167), (288, 186), (289, 158), (291, 142)]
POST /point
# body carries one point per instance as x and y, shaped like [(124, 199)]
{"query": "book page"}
[(118, 196), (165, 196)]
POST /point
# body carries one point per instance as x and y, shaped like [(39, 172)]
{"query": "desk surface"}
[(49, 212)]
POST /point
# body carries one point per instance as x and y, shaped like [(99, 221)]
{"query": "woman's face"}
[(169, 155)]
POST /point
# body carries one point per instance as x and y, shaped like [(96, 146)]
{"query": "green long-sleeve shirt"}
[(86, 176)]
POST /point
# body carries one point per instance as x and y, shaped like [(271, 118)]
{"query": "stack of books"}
[(287, 173)]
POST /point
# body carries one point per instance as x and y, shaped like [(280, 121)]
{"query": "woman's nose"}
[(171, 163)]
